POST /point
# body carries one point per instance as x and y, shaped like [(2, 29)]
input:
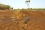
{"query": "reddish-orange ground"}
[(22, 20)]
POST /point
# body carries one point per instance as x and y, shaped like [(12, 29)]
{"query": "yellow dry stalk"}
[(17, 13)]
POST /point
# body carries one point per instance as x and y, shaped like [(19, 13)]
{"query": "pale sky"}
[(22, 4)]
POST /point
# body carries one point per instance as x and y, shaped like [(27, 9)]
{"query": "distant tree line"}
[(33, 9), (4, 7)]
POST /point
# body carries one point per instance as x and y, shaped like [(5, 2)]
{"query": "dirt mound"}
[(22, 20)]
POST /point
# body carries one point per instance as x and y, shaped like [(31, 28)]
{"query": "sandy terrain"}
[(22, 20)]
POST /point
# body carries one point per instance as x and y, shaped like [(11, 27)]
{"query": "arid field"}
[(22, 20)]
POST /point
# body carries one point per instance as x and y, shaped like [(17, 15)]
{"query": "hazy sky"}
[(22, 4)]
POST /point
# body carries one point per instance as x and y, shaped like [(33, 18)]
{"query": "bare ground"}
[(22, 20)]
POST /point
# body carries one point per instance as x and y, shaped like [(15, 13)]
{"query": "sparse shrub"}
[(12, 8), (26, 19), (25, 29)]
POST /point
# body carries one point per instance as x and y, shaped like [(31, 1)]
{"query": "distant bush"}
[(12, 8), (3, 7)]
